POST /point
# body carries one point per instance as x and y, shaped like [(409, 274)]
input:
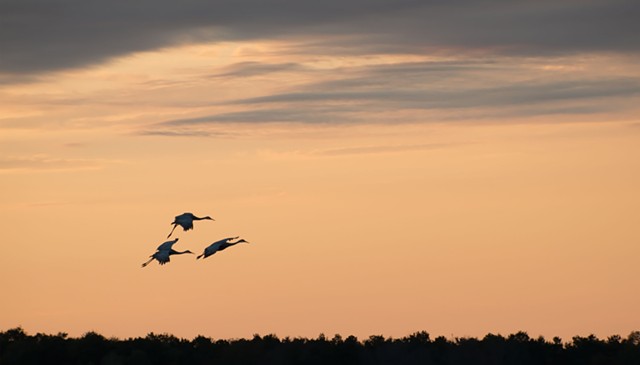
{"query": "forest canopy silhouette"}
[(18, 347)]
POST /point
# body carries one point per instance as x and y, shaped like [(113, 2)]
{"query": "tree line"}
[(18, 347)]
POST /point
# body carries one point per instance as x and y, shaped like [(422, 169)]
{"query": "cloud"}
[(448, 85), (269, 115), (74, 145), (180, 133), (250, 69), (425, 91), (41, 36), (523, 93), (8, 78), (375, 149), (44, 163)]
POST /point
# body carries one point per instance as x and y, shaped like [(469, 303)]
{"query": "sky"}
[(460, 167)]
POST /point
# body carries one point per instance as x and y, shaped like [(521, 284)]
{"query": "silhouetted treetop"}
[(18, 347)]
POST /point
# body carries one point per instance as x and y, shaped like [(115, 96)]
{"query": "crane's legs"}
[(174, 227), (147, 263)]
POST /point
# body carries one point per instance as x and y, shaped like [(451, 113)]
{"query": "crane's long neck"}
[(174, 252)]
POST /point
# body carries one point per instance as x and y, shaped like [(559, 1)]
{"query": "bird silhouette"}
[(163, 253), (185, 220), (219, 246)]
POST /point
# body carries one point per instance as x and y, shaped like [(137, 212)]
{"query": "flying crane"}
[(185, 220), (219, 246)]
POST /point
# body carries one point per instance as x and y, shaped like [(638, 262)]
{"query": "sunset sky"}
[(459, 167)]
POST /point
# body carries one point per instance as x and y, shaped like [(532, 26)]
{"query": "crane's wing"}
[(167, 245), (162, 256), (213, 248), (184, 216), (225, 245)]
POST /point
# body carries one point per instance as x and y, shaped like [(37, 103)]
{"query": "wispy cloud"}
[(360, 94), (180, 133), (375, 149), (44, 163), (19, 78), (252, 69), (74, 145), (421, 93), (323, 114)]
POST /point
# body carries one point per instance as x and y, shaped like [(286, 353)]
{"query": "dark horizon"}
[(18, 347), (321, 335)]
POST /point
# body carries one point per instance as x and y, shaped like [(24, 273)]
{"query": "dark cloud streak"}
[(40, 36), (460, 89), (250, 69), (505, 102), (504, 95), (270, 115)]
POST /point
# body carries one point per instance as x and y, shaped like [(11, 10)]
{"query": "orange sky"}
[(509, 203)]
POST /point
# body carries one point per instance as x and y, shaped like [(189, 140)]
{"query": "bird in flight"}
[(185, 220), (163, 253), (219, 246)]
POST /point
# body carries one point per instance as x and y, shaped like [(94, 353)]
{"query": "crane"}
[(163, 253), (185, 220), (219, 246)]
